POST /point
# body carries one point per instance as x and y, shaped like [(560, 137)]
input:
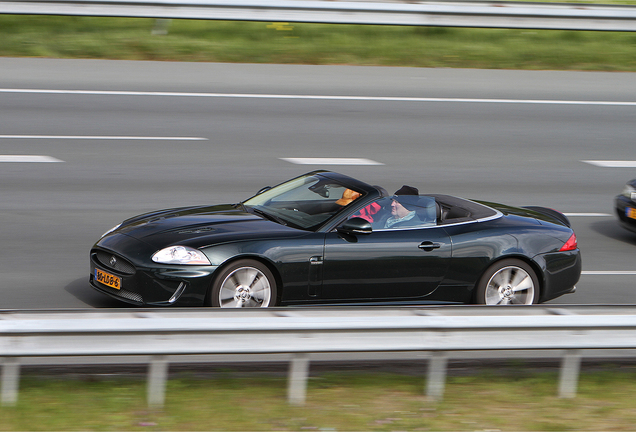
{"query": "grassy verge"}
[(517, 401), (254, 42)]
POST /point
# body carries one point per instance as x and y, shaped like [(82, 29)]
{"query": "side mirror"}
[(265, 189), (355, 226)]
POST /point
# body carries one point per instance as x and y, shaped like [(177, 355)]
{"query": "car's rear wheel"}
[(244, 283), (510, 281)]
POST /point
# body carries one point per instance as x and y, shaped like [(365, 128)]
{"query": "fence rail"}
[(303, 335), (444, 14)]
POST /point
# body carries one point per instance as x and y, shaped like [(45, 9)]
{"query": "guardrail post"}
[(569, 377), (436, 380), (157, 377), (10, 380), (297, 380)]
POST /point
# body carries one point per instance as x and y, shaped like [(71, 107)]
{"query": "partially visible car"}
[(625, 205), (303, 243)]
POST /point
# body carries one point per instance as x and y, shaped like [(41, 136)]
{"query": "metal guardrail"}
[(446, 14), (302, 335)]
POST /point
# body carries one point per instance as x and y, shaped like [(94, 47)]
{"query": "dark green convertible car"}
[(326, 238)]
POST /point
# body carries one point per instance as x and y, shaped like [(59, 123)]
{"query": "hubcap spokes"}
[(245, 287), (510, 285)]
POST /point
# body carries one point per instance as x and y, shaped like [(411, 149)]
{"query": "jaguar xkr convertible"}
[(325, 238)]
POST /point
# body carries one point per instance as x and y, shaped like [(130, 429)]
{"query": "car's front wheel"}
[(244, 283), (510, 281)]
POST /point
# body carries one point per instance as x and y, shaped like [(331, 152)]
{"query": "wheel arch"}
[(538, 271), (266, 262)]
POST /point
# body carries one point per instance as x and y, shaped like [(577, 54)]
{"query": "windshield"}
[(304, 202)]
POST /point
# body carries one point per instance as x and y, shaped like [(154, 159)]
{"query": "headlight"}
[(111, 230), (180, 255), (629, 192)]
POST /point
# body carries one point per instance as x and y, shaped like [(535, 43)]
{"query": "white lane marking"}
[(587, 214), (316, 97), (611, 163), (103, 137), (28, 158), (331, 161), (611, 273)]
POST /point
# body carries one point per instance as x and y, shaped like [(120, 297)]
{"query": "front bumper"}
[(146, 283), (625, 208)]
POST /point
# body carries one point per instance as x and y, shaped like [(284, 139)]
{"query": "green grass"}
[(255, 42), (515, 400)]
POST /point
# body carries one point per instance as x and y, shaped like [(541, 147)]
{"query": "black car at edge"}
[(301, 243), (625, 206)]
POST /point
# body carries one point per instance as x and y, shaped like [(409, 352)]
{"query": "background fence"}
[(447, 14)]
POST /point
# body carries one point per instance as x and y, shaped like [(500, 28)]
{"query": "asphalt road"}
[(138, 136)]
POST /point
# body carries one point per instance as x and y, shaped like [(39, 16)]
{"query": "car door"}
[(386, 264)]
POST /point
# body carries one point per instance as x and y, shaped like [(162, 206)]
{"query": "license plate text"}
[(107, 279)]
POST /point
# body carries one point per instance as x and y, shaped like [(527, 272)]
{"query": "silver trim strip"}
[(177, 293), (486, 219)]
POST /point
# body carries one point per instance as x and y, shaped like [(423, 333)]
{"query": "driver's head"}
[(403, 201)]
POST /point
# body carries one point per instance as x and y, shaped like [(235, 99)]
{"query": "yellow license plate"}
[(630, 213), (107, 279)]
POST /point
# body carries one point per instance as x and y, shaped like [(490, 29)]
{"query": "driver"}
[(402, 208)]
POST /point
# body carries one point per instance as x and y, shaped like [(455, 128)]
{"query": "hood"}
[(201, 226)]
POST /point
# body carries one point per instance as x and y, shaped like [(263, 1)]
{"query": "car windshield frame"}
[(306, 202)]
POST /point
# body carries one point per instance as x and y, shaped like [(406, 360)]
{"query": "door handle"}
[(429, 246), (315, 260)]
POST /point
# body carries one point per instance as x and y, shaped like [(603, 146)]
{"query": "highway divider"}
[(299, 336)]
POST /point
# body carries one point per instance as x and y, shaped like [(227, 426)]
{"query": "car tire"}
[(243, 283), (509, 281)]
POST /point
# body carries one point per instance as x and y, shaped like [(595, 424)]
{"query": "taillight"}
[(569, 245)]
